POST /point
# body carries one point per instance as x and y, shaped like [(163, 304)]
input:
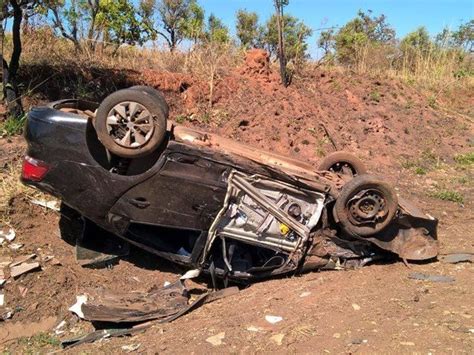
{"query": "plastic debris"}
[(2, 299), (9, 236), (57, 329), (130, 348), (52, 205), (191, 274), (216, 340), (433, 278), (273, 319), (255, 329), (77, 307), (305, 294), (23, 268), (15, 246)]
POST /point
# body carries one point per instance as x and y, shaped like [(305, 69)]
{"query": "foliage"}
[(12, 126), (296, 34), (448, 195), (249, 32), (111, 22), (364, 29), (465, 159), (216, 31)]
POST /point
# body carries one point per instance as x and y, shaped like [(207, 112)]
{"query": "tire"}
[(365, 213), (156, 94), (343, 163), (131, 123)]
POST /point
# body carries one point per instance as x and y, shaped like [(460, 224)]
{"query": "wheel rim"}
[(130, 124), (367, 207), (343, 168)]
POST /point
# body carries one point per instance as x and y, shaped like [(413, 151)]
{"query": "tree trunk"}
[(10, 88), (281, 44)]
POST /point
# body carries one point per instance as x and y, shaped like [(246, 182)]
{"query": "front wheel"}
[(343, 163), (365, 206)]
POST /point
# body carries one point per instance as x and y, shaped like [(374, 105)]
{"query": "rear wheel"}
[(131, 123), (365, 206), (343, 163)]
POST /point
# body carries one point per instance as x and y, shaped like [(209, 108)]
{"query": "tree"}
[(217, 32), (172, 15), (462, 38), (194, 24), (296, 34), (249, 32), (361, 31), (13, 9), (279, 5), (418, 40), (116, 22)]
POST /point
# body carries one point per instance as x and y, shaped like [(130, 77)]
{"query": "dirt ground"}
[(395, 129)]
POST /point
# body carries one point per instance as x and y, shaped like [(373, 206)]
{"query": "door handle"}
[(139, 202)]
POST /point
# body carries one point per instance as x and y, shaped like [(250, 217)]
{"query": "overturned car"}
[(210, 203)]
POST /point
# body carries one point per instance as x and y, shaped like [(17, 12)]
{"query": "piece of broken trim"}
[(52, 205), (455, 258), (105, 333)]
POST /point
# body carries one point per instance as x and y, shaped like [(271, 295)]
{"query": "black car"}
[(210, 203)]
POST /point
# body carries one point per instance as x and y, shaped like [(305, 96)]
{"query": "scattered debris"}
[(166, 284), (6, 315), (356, 307), (52, 205), (21, 259), (433, 278), (9, 236), (255, 329), (57, 329), (273, 319), (76, 307), (305, 294), (152, 307), (23, 291), (358, 341), (23, 268), (407, 343), (2, 299), (457, 258), (278, 338), (2, 277), (336, 335), (216, 340), (130, 348), (191, 274), (15, 246)]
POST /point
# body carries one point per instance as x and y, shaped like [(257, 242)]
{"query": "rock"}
[(278, 338), (216, 340), (356, 307), (336, 335)]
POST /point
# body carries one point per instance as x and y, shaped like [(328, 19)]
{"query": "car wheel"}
[(131, 123), (365, 206), (156, 94), (343, 163)]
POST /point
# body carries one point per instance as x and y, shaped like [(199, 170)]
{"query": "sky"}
[(404, 15)]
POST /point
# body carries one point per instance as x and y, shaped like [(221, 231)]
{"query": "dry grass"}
[(11, 187)]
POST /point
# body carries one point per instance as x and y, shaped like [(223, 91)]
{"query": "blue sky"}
[(403, 15)]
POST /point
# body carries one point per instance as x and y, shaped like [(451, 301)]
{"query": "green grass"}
[(448, 195), (465, 159), (12, 126), (38, 341), (374, 96), (420, 171)]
